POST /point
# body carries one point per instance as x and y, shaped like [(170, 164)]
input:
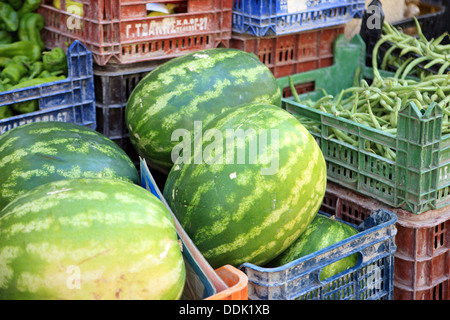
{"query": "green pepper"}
[(29, 6), (44, 74), (14, 71), (16, 4), (22, 59), (36, 81), (5, 112), (5, 37), (9, 17), (32, 105), (30, 27), (23, 48), (36, 69), (26, 106), (7, 85), (4, 61), (55, 60)]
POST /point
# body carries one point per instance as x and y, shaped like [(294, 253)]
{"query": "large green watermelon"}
[(40, 152), (242, 210), (89, 239), (321, 233), (195, 87)]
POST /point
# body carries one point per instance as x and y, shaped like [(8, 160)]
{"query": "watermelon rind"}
[(89, 239)]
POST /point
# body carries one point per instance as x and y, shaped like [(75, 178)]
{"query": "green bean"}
[(439, 39), (342, 136), (431, 52), (433, 62), (293, 90), (443, 67), (387, 55), (390, 154), (321, 100), (412, 65), (402, 67), (419, 29)]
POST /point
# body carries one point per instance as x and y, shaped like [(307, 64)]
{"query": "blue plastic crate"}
[(69, 100), (277, 17), (370, 279)]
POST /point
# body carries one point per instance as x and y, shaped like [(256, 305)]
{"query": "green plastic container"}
[(418, 180)]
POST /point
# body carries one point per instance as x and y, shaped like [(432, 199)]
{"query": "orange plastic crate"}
[(120, 30), (236, 281), (292, 53)]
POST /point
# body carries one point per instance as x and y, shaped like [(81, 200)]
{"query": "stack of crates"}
[(414, 185), (128, 40), (291, 36)]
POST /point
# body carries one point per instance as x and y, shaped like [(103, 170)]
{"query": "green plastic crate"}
[(418, 180)]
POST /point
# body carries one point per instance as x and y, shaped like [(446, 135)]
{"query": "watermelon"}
[(321, 233), (195, 87), (89, 239), (249, 210), (40, 152)]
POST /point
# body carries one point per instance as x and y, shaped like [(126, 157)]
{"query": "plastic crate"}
[(114, 84), (121, 32), (432, 23), (277, 17), (370, 279), (418, 180), (236, 281), (293, 53), (422, 258), (69, 100)]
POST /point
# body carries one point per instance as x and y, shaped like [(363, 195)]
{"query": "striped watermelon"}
[(196, 86), (40, 152), (235, 211), (89, 239), (321, 233)]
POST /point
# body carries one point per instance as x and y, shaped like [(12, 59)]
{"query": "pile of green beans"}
[(377, 105), (428, 53)]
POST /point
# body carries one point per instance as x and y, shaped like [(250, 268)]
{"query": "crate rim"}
[(288, 266)]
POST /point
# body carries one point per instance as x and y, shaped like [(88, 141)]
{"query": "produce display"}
[(24, 61), (195, 87), (89, 239), (244, 177)]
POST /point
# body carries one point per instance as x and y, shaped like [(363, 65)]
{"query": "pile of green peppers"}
[(24, 62)]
